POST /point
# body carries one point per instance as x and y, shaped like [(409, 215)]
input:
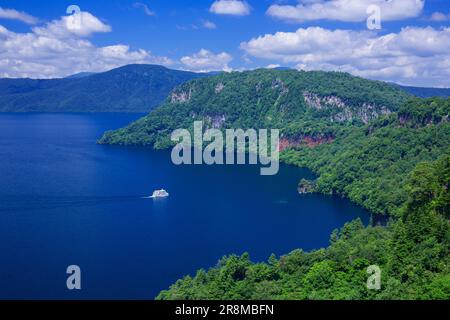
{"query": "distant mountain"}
[(283, 68), (426, 92), (132, 88), (309, 107), (80, 75)]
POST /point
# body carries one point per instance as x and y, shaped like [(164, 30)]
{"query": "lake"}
[(64, 200)]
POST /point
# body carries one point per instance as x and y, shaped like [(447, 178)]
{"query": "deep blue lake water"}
[(64, 200)]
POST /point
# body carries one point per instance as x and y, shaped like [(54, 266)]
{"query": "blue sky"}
[(203, 35)]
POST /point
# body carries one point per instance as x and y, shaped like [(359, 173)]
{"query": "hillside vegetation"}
[(381, 166), (412, 253), (313, 105), (365, 140), (370, 165), (133, 88)]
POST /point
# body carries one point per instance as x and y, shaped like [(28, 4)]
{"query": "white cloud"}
[(439, 16), (415, 56), (80, 24), (144, 8), (205, 61), (17, 15), (345, 10), (59, 49), (209, 24), (204, 24), (230, 7)]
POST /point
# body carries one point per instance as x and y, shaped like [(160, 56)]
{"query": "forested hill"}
[(132, 88), (305, 105), (370, 165), (366, 140), (426, 92), (412, 254), (360, 137), (400, 165)]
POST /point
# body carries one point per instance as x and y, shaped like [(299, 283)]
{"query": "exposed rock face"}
[(319, 103), (308, 141), (219, 88), (279, 84), (181, 96), (312, 142), (287, 143), (369, 112), (345, 113)]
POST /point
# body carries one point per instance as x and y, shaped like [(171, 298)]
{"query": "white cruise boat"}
[(160, 194)]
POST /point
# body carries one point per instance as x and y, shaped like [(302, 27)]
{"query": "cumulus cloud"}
[(439, 17), (60, 48), (345, 10), (230, 7), (415, 56), (17, 15), (80, 24), (273, 66), (205, 61)]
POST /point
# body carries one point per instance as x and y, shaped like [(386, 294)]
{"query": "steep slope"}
[(132, 88), (412, 254), (370, 165), (365, 140), (400, 165), (304, 105), (358, 136)]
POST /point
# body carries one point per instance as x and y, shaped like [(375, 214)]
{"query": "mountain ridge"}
[(142, 88), (425, 92), (313, 103), (131, 88)]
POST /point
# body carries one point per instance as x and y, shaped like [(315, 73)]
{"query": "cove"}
[(64, 200)]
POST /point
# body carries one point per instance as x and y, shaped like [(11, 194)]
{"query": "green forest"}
[(399, 166), (385, 150), (370, 165), (301, 104), (411, 251)]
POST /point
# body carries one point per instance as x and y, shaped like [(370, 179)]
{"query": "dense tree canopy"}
[(398, 165), (370, 165), (375, 145), (412, 253), (312, 103)]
